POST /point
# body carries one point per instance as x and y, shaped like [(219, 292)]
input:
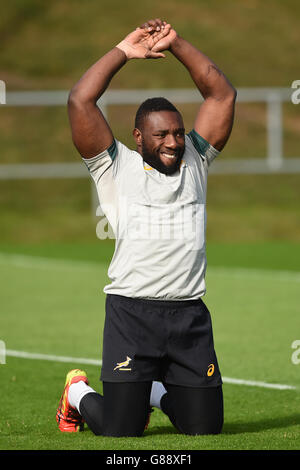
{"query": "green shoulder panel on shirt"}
[(113, 150), (199, 142)]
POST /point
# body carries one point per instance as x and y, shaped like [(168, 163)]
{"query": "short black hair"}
[(152, 105)]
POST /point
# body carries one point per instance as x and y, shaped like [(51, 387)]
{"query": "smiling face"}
[(160, 141)]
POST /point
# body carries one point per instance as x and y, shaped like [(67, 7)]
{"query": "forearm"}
[(91, 132), (97, 78), (208, 78)]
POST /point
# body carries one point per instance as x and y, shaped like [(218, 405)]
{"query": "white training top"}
[(158, 221)]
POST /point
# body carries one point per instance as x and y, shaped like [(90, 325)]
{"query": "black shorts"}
[(167, 341)]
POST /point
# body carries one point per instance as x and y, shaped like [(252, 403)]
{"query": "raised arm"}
[(215, 117), (91, 133)]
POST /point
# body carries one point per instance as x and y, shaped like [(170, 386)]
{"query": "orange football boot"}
[(67, 417)]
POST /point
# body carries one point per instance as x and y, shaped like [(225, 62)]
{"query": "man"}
[(157, 329)]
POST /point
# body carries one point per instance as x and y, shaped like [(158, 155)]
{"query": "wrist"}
[(175, 43), (126, 48)]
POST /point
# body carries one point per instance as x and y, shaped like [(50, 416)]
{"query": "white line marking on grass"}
[(39, 262), (253, 383), (51, 357), (96, 362)]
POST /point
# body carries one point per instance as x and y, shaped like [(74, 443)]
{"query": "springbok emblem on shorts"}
[(123, 365)]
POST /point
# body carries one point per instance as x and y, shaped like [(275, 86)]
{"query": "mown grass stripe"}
[(38, 262)]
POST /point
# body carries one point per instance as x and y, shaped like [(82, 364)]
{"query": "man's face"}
[(161, 141)]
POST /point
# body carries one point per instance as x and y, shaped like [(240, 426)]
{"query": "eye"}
[(180, 134)]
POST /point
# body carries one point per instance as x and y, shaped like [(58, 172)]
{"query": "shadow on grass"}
[(262, 425), (161, 430), (239, 428)]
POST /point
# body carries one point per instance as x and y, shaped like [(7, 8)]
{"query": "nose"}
[(170, 141)]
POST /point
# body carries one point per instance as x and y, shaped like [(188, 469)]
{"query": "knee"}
[(193, 427), (196, 423), (195, 411)]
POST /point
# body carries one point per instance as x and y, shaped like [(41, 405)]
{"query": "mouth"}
[(170, 156)]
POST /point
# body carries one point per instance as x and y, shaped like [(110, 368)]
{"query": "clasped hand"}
[(148, 40)]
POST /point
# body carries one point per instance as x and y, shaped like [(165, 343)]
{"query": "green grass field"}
[(52, 303)]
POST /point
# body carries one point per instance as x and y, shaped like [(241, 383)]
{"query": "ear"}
[(137, 136)]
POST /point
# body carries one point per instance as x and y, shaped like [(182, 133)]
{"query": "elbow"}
[(74, 98), (229, 92), (228, 96), (225, 94), (232, 94), (78, 98)]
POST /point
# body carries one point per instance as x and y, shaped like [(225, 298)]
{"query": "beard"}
[(154, 160)]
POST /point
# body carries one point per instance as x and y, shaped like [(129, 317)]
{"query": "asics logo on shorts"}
[(123, 365), (211, 369)]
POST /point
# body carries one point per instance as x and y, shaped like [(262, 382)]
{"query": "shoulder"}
[(197, 144), (113, 159)]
